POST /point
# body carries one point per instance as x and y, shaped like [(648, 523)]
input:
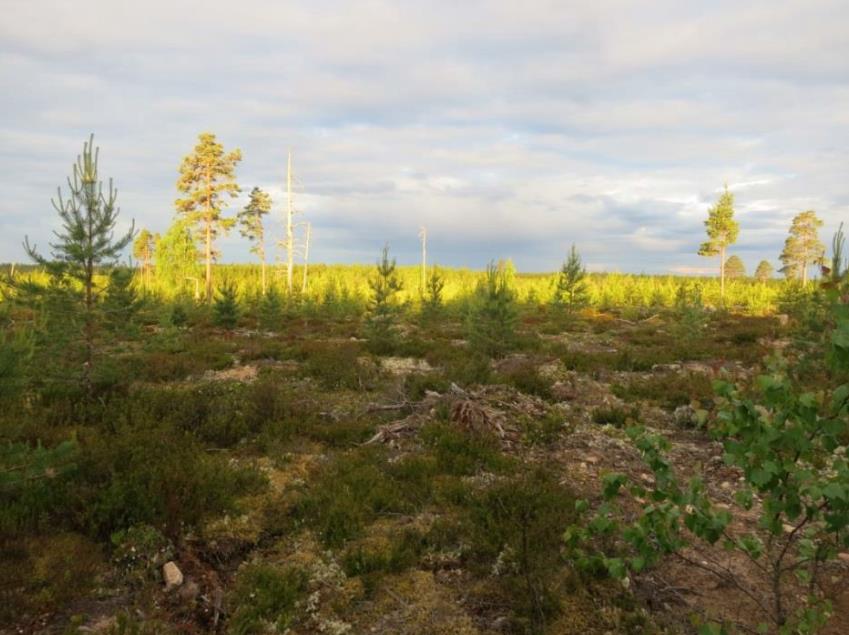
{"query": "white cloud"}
[(507, 129)]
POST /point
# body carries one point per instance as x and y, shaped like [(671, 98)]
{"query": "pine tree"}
[(87, 241), (383, 306), (250, 220), (764, 271), (802, 247), (144, 248), (176, 256), (270, 310), (432, 301), (121, 302), (492, 318), (570, 292), (734, 267), (225, 309), (206, 176), (722, 231)]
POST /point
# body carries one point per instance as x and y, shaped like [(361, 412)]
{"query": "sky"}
[(508, 129)]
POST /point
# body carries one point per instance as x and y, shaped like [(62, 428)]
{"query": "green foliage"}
[(89, 216), (16, 349), (515, 529), (177, 257), (336, 366), (492, 317), (432, 303), (154, 475), (121, 302), (690, 316), (668, 390), (350, 493), (383, 306), (271, 310), (764, 271), (225, 309), (525, 376), (615, 415), (250, 219), (734, 267), (33, 481), (721, 228), (802, 247), (265, 596), (460, 452), (570, 292), (139, 553), (206, 176), (788, 445)]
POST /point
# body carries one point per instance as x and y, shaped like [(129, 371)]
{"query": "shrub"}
[(34, 483), (460, 452), (265, 595), (336, 366), (515, 529), (348, 494), (156, 476), (525, 376), (615, 416), (668, 390)]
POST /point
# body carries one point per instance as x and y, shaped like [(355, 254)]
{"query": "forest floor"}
[(427, 491)]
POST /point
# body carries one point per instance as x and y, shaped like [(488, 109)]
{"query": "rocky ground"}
[(383, 522)]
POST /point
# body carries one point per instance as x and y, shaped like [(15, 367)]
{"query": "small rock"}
[(783, 319), (172, 575), (843, 557)]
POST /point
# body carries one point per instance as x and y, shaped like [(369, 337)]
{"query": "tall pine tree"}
[(802, 247), (250, 220), (722, 231), (207, 175)]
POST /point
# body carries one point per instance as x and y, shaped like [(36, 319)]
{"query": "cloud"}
[(508, 129)]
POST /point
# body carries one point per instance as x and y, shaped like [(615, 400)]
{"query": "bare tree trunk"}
[(290, 232), (722, 273)]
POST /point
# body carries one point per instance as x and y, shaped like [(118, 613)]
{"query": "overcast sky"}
[(509, 129)]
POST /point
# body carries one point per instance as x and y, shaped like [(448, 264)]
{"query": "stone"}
[(172, 575), (783, 319)]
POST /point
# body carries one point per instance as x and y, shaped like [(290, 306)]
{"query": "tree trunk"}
[(208, 261), (208, 235), (262, 257), (722, 274), (804, 273), (290, 237)]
